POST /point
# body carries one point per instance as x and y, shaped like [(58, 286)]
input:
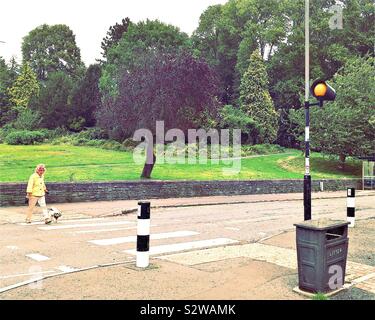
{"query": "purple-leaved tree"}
[(174, 87)]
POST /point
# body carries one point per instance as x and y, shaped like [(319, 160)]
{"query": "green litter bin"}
[(322, 249)]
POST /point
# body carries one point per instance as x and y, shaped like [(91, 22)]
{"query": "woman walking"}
[(36, 190)]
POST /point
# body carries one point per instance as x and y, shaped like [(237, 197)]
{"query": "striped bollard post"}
[(350, 204), (143, 234)]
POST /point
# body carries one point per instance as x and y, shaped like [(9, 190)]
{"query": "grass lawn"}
[(70, 163)]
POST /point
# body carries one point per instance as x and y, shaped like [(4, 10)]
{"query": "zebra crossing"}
[(83, 243)]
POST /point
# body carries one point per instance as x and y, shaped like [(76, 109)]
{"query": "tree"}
[(265, 26), (217, 39), (54, 102), (52, 48), (114, 34), (345, 127), (330, 49), (234, 118), (86, 96), (256, 101), (143, 37), (172, 87), (227, 33), (8, 75), (24, 88)]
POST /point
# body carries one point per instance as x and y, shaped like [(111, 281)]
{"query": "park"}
[(218, 154)]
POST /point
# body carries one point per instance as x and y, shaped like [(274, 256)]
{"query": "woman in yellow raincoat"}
[(36, 190)]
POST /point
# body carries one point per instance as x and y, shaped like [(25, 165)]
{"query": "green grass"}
[(73, 163), (320, 296)]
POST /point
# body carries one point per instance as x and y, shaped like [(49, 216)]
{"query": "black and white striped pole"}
[(143, 234), (322, 92), (350, 206), (307, 177)]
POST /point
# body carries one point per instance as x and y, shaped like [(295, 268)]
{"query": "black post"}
[(143, 234), (307, 177), (350, 206)]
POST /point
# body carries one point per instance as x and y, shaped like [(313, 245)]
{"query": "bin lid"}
[(322, 224)]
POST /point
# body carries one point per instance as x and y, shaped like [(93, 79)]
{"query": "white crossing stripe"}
[(156, 236), (60, 221), (37, 257), (85, 225), (232, 228), (66, 268), (12, 247), (186, 246), (108, 230)]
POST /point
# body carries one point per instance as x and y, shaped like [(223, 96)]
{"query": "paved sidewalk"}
[(80, 210), (263, 270), (266, 269), (361, 254)]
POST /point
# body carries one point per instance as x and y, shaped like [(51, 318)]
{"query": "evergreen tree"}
[(114, 34), (54, 102), (8, 74), (86, 98), (256, 101), (24, 88)]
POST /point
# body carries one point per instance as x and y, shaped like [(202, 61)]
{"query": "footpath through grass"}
[(72, 163)]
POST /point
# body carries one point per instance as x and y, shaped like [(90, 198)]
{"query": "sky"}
[(90, 19)]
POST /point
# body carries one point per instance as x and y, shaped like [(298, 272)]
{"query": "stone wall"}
[(12, 194)]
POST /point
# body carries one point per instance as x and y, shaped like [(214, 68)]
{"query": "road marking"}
[(60, 221), (234, 229), (187, 246), (37, 257), (108, 230), (84, 225), (66, 269), (25, 274), (156, 236), (262, 234), (12, 247)]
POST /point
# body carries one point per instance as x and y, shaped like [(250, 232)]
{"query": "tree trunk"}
[(150, 162), (342, 158)]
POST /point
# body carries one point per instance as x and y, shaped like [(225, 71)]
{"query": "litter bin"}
[(322, 249)]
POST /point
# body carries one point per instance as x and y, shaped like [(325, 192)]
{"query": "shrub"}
[(261, 149), (112, 145), (27, 120), (77, 124), (25, 137), (62, 140), (4, 131), (95, 143), (93, 134), (78, 141), (58, 133), (130, 144)]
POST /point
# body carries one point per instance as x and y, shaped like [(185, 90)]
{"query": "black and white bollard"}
[(350, 204), (143, 234)]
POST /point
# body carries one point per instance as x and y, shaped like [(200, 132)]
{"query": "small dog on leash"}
[(54, 213)]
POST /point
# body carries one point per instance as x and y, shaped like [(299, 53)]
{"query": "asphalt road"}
[(28, 251)]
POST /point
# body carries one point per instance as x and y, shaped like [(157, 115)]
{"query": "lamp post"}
[(307, 176), (322, 91)]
